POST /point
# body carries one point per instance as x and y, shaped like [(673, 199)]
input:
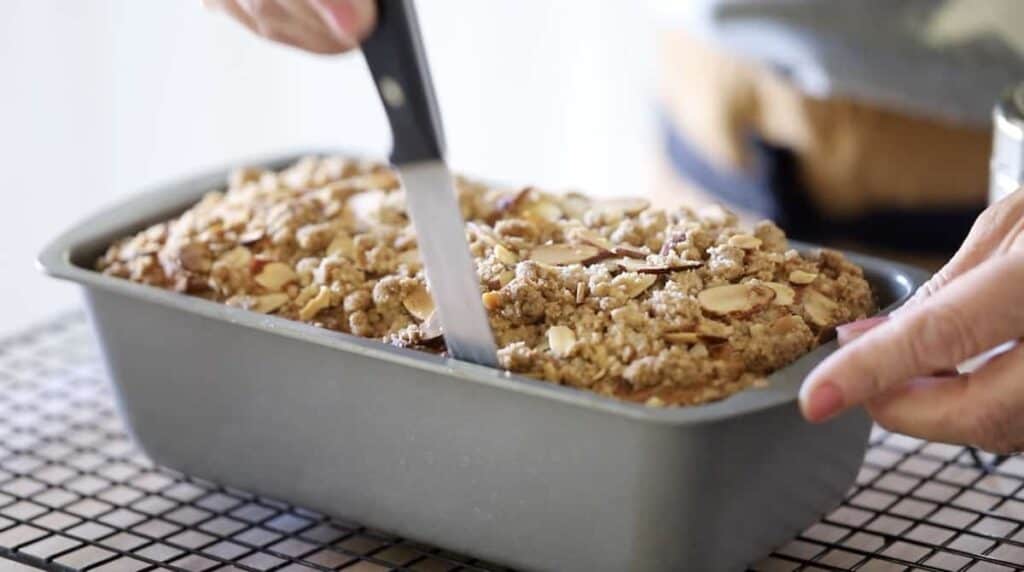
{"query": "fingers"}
[(319, 26), (994, 231), (981, 409), (979, 310), (350, 20), (285, 21)]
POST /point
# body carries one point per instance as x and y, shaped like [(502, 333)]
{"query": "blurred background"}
[(106, 97)]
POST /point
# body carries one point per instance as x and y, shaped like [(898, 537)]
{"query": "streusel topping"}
[(612, 296)]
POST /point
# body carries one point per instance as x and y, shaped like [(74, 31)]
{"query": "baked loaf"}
[(612, 296)]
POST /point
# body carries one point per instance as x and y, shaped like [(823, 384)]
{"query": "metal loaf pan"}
[(512, 470)]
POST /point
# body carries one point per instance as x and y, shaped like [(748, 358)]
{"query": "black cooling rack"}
[(76, 495)]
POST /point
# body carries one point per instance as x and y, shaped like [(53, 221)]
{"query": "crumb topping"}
[(612, 296)]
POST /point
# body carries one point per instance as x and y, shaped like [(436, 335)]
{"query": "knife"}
[(394, 53)]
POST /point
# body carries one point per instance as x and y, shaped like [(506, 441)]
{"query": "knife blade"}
[(449, 265), (397, 61)]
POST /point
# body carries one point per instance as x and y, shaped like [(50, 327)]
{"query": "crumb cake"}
[(676, 307)]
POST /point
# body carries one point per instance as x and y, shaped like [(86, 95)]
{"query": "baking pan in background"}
[(513, 470)]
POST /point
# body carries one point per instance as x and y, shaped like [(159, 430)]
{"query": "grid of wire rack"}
[(76, 495)]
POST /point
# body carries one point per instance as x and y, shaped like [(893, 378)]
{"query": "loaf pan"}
[(506, 468)]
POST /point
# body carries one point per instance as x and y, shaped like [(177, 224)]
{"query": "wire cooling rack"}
[(76, 495)]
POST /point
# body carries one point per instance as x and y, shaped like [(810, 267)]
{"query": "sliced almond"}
[(819, 307), (745, 241), (644, 267), (562, 340), (306, 294), (483, 233), (802, 277), (785, 325), (581, 292), (760, 293), (275, 276), (280, 215), (625, 206), (382, 179), (314, 236), (319, 302), (506, 256), (236, 217), (237, 257), (195, 257), (492, 300), (662, 269), (251, 236), (784, 295), (575, 205), (680, 265), (735, 298), (544, 210), (341, 245), (630, 251), (640, 284), (430, 329), (630, 264), (506, 277), (563, 254), (336, 191), (512, 202), (711, 329), (681, 337), (419, 303), (593, 238), (655, 401), (270, 302)]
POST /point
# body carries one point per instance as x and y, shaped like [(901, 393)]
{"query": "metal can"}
[(1007, 166)]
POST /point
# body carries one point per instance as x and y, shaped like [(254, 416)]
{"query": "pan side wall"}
[(514, 478)]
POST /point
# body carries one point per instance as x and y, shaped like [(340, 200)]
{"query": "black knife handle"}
[(394, 52)]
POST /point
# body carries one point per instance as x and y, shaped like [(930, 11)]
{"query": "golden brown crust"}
[(612, 296)]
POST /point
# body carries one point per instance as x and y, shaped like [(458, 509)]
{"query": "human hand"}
[(320, 26), (903, 368)]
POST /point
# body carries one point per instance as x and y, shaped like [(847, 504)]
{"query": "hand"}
[(903, 368), (320, 26)]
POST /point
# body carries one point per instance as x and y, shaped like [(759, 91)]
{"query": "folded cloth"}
[(851, 157), (946, 59), (774, 187)]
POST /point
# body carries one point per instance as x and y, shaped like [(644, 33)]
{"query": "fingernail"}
[(822, 402), (849, 332), (346, 18)]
